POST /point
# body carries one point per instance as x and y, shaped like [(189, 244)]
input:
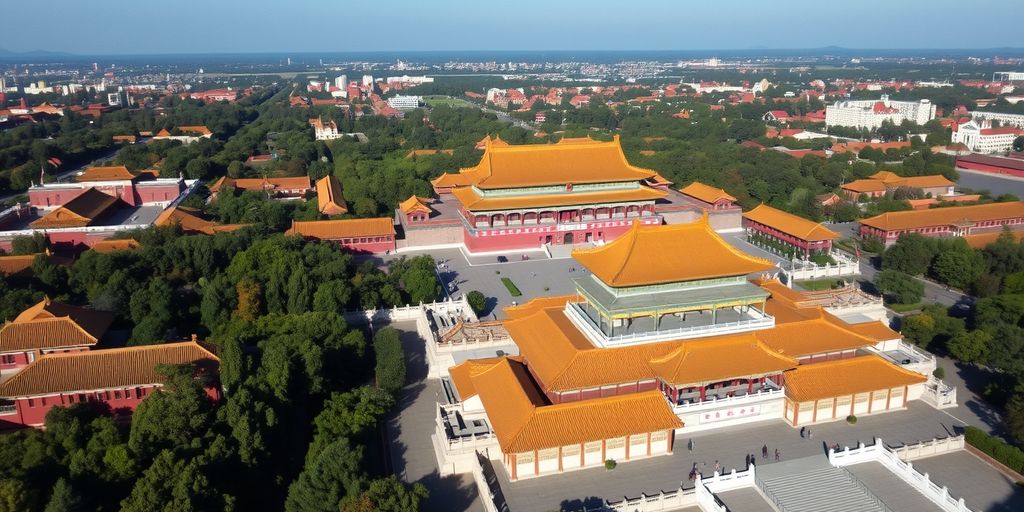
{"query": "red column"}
[(703, 389), (750, 386)]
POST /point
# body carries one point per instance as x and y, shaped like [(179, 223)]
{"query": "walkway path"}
[(980, 485), (409, 430)]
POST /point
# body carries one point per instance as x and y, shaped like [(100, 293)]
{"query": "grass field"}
[(819, 284), (512, 289), (435, 101)]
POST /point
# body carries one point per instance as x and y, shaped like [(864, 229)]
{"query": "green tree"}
[(919, 328), (1018, 144), (334, 474), (1013, 418), (477, 301), (911, 254), (64, 498), (899, 287), (958, 266), (15, 496), (390, 369), (29, 244), (388, 495), (177, 415), (970, 346)]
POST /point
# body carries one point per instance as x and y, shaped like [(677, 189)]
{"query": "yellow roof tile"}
[(473, 201), (569, 161), (818, 334), (788, 223), (82, 210), (979, 241), (706, 193), (523, 420), (648, 255), (126, 244), (48, 325), (102, 369), (345, 228), (950, 216), (329, 198), (715, 359), (117, 172), (844, 377), (415, 204)]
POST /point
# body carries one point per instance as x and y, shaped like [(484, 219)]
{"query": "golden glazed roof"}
[(788, 223), (844, 377), (475, 202), (649, 255), (950, 216), (706, 193), (536, 165)]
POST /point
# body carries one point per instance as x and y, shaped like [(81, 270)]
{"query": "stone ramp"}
[(896, 493), (811, 484), (746, 499)]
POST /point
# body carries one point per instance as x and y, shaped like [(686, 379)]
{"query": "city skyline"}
[(314, 26)]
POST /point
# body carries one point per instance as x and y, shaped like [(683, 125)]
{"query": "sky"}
[(111, 27)]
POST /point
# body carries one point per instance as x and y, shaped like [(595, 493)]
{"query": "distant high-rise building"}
[(871, 114), (95, 66), (341, 82), (289, 61), (367, 80)]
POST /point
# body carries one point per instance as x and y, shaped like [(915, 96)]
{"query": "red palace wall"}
[(134, 195), (31, 412), (533, 236), (13, 360), (374, 247), (994, 169), (620, 389)]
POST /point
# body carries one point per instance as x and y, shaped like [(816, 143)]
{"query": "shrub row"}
[(511, 287), (1010, 456)]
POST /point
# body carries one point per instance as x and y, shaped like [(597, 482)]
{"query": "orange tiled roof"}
[(415, 204), (865, 186), (818, 332), (523, 421), (953, 215), (983, 239), (715, 359), (706, 193), (199, 130), (289, 183), (17, 263), (647, 255), (845, 377), (49, 325), (80, 211), (106, 246), (117, 172), (329, 197), (427, 152), (535, 165), (473, 201), (537, 304), (191, 222), (875, 331), (102, 369), (791, 224), (346, 228)]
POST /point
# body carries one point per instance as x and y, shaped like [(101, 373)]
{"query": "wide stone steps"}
[(815, 487)]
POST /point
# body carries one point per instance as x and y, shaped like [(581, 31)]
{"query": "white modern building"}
[(980, 137), (341, 82), (402, 102), (367, 80), (1008, 76), (1004, 119), (406, 79), (871, 114), (324, 131)]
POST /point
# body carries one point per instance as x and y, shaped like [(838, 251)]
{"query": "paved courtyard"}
[(409, 429), (728, 447), (980, 485)]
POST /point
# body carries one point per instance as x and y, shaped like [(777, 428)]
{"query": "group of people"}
[(751, 459)]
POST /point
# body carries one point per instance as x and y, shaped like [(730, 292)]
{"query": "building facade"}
[(981, 137), (954, 221), (375, 236), (871, 114), (884, 182), (785, 233), (574, 191)]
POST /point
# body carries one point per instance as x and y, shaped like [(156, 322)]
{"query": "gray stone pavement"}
[(893, 491), (969, 381), (729, 446), (409, 429), (980, 485), (747, 499)]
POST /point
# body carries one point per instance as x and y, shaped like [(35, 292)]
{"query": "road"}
[(933, 292), (64, 175)]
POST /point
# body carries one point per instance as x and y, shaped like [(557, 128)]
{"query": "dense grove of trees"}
[(304, 391)]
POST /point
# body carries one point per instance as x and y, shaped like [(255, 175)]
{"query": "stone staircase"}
[(812, 485)]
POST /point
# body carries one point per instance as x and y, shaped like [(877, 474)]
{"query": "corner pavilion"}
[(573, 191), (665, 336)]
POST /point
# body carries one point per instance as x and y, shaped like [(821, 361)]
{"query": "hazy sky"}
[(214, 26)]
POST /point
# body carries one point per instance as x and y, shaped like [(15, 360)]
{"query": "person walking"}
[(764, 452), (810, 435), (802, 430), (776, 455), (689, 445)]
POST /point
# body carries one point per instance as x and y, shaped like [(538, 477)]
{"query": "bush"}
[(390, 370), (899, 287), (851, 419), (610, 464), (477, 301), (511, 287), (939, 373), (1010, 456)]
